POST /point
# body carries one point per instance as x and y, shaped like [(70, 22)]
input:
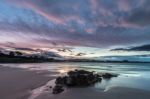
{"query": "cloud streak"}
[(136, 48)]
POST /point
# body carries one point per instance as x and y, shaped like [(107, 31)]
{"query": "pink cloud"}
[(50, 17), (58, 19), (98, 7), (90, 30), (124, 5)]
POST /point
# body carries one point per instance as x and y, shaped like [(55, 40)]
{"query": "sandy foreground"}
[(89, 93), (19, 84)]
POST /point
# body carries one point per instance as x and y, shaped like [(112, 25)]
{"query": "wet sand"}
[(90, 93), (17, 83)]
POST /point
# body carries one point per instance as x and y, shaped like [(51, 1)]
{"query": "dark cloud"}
[(137, 48), (81, 54), (92, 53), (140, 16), (24, 49), (50, 54), (65, 50)]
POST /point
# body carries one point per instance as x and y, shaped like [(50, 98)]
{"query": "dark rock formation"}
[(58, 89), (108, 75), (79, 78)]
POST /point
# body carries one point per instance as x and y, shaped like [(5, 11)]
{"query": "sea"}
[(131, 75)]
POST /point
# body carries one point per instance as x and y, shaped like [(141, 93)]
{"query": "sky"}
[(76, 28)]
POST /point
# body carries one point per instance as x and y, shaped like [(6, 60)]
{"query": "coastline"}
[(16, 83)]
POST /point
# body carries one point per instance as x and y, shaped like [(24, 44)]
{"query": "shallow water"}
[(133, 75)]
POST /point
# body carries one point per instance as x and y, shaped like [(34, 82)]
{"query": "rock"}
[(108, 75), (60, 80), (50, 87), (58, 89), (79, 78)]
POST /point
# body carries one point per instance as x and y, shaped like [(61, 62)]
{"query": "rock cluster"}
[(108, 75), (58, 89), (79, 78)]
